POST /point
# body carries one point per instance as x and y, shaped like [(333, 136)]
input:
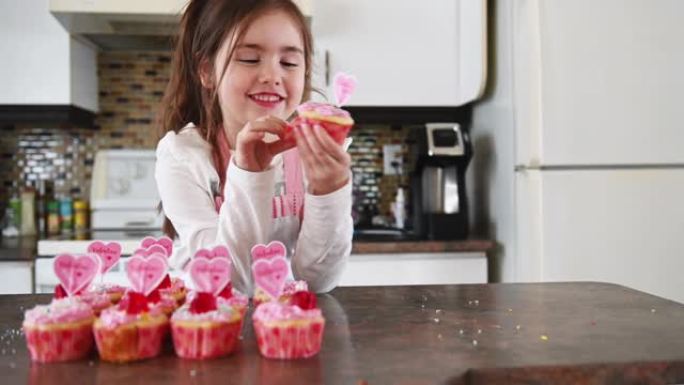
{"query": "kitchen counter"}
[(563, 333), (17, 249), (416, 246)]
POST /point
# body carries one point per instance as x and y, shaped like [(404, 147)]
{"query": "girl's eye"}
[(288, 64), (249, 61)]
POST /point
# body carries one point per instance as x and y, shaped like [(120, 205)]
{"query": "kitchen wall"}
[(131, 85), (492, 200)]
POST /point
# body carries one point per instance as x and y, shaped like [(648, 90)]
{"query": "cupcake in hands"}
[(289, 330), (333, 119), (133, 330), (208, 326)]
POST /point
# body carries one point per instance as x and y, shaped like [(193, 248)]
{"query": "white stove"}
[(123, 192), (123, 202)]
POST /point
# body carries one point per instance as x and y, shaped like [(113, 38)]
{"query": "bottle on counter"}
[(9, 228), (80, 218), (53, 222), (66, 216), (28, 212), (15, 206), (43, 195), (399, 209)]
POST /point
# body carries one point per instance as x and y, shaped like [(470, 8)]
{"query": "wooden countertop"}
[(471, 245), (563, 333)]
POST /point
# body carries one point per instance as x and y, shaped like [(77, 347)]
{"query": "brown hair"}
[(204, 26)]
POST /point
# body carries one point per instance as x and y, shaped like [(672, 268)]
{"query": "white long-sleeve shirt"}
[(318, 245)]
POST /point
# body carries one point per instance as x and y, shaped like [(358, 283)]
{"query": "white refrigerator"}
[(579, 164)]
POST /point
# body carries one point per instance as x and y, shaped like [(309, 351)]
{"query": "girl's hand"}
[(326, 164), (251, 152)]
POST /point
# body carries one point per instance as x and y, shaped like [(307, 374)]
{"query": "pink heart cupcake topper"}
[(165, 242), (270, 275), (145, 274), (217, 252), (76, 272), (154, 249), (109, 254), (344, 86), (210, 275), (274, 249)]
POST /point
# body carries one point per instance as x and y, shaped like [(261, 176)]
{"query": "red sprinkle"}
[(154, 296), (134, 303), (306, 300), (227, 291), (203, 303), (165, 283), (61, 293)]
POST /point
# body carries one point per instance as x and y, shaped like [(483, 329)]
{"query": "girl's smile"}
[(267, 100)]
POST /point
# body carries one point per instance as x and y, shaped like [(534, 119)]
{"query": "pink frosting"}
[(223, 313), (114, 317), (177, 285), (238, 299), (107, 288), (63, 310), (322, 109), (166, 300), (292, 287), (95, 299), (276, 311)]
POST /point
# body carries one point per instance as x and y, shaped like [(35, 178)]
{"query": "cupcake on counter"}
[(130, 331), (109, 255), (134, 330), (205, 328), (209, 325), (284, 329), (76, 273), (270, 270), (289, 289), (60, 331), (173, 288), (289, 330)]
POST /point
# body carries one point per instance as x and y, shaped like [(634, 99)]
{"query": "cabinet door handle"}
[(327, 68)]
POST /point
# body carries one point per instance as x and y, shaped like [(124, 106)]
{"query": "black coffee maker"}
[(441, 152)]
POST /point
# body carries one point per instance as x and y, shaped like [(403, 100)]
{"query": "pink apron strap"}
[(294, 182)]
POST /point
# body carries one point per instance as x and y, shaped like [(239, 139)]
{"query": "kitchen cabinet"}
[(403, 52), (16, 277), (393, 269), (42, 64)]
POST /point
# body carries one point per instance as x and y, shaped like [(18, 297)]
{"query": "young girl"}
[(226, 171)]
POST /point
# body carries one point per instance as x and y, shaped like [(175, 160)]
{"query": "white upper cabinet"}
[(42, 64), (403, 52)]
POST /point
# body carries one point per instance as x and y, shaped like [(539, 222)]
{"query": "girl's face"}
[(266, 73)]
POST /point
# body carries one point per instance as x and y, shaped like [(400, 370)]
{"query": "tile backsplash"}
[(131, 86)]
